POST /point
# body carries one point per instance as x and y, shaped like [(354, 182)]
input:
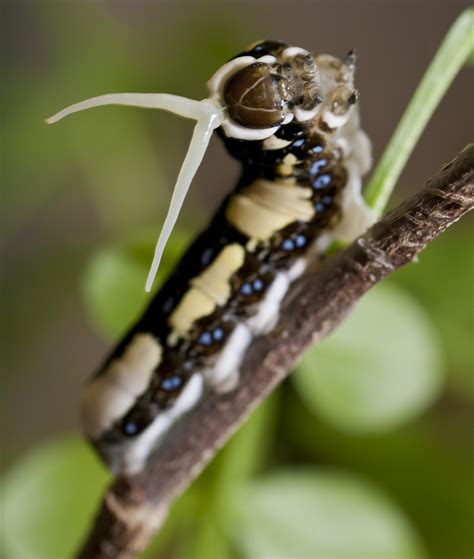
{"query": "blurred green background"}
[(366, 451)]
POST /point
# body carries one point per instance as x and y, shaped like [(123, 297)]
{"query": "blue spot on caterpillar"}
[(286, 115), (130, 428), (246, 289), (171, 383), (205, 338), (322, 181), (316, 166)]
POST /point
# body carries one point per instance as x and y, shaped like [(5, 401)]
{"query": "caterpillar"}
[(291, 118)]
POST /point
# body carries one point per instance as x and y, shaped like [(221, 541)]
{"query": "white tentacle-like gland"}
[(207, 113)]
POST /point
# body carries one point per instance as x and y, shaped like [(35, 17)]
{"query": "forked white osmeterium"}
[(208, 115)]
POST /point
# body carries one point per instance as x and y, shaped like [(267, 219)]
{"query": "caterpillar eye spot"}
[(258, 284)]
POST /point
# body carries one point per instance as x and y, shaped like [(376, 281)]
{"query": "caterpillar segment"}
[(291, 119)]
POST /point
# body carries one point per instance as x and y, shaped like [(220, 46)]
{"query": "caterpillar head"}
[(258, 94), (256, 97)]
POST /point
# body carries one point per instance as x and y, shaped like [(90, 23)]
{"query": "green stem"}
[(456, 48)]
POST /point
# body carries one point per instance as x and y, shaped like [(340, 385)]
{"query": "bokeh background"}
[(366, 452)]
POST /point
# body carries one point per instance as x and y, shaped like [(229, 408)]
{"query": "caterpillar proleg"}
[(291, 119)]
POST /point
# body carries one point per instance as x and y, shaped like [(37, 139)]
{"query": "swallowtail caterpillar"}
[(292, 120)]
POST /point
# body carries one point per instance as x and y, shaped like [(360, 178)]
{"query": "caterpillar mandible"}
[(291, 119)]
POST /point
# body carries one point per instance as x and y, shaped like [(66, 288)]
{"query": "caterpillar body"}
[(291, 118)]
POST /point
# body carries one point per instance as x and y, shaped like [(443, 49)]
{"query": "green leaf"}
[(311, 514), (113, 284), (427, 466), (210, 541), (381, 368), (249, 448), (49, 498)]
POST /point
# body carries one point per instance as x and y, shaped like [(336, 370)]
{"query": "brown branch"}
[(134, 508)]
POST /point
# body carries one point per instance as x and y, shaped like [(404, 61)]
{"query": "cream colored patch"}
[(303, 116), (284, 170), (275, 143), (334, 121), (172, 339), (292, 201), (207, 290), (286, 167), (194, 305), (102, 403), (251, 245), (108, 396), (133, 370), (290, 159), (214, 280), (291, 52), (287, 180), (254, 220), (265, 207)]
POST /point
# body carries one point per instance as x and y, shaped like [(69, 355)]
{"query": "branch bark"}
[(134, 508)]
